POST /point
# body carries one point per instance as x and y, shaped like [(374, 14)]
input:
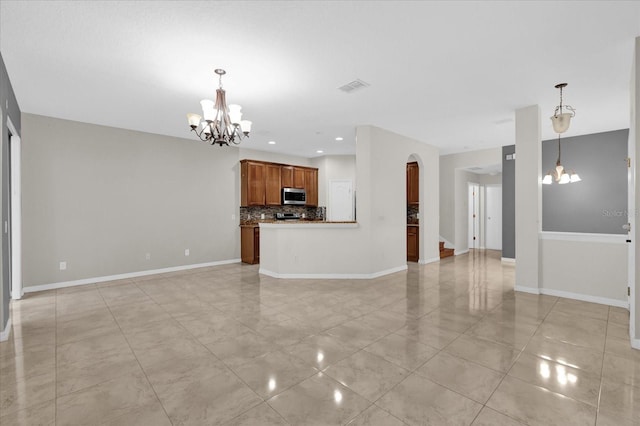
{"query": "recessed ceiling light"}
[(319, 151), (271, 142), (338, 138)]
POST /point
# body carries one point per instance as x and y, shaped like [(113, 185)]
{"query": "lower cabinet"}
[(250, 244), (413, 244)]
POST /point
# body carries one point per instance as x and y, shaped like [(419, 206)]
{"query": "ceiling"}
[(449, 74)]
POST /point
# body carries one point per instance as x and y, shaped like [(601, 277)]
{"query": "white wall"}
[(453, 192), (331, 167), (592, 268), (378, 244), (100, 198)]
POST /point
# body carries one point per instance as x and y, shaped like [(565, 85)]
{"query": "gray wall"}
[(508, 203), (598, 204), (100, 198), (9, 108)]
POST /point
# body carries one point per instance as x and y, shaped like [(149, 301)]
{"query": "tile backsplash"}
[(412, 213), (253, 213)]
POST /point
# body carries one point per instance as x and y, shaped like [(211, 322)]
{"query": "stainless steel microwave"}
[(294, 196)]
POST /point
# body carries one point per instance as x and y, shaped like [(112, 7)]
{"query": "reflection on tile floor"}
[(448, 343)]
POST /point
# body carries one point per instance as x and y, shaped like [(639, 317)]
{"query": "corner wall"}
[(9, 108)]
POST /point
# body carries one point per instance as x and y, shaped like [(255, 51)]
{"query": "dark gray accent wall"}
[(598, 204), (9, 107), (508, 203)]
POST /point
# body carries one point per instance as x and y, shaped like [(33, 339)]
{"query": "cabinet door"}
[(256, 184), (412, 243), (247, 244), (287, 176), (273, 185), (413, 183), (298, 177), (311, 186), (256, 245)]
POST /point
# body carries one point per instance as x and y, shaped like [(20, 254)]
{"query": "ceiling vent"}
[(353, 86)]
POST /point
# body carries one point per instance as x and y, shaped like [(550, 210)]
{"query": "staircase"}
[(445, 252)]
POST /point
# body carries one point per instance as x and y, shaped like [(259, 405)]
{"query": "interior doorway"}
[(485, 216), (413, 209), (12, 214)]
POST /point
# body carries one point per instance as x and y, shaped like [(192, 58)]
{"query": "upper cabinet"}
[(261, 183), (273, 184), (311, 186), (298, 178), (413, 183), (252, 191), (287, 176)]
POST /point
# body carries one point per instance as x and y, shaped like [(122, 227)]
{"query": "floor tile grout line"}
[(223, 363), (515, 361), (55, 342), (604, 352), (137, 360)]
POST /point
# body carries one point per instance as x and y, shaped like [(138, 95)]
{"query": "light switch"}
[(63, 266)]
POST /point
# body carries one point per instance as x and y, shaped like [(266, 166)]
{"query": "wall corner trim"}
[(95, 280), (427, 261), (333, 276), (4, 334)]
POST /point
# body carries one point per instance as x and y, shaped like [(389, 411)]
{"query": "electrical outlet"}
[(233, 217), (186, 252), (63, 266), (148, 256)]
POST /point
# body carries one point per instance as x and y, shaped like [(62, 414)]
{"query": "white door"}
[(494, 217), (340, 206), (474, 216)]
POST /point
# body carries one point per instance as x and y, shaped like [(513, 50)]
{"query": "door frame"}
[(16, 212), (486, 218)]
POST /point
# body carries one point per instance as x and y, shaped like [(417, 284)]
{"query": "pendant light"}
[(561, 119)]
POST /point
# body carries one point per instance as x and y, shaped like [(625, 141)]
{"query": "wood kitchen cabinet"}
[(298, 177), (252, 179), (250, 244), (412, 244), (413, 183), (273, 184), (261, 182), (311, 186), (287, 176)]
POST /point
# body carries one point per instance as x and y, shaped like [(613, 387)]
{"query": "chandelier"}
[(561, 121), (221, 125)]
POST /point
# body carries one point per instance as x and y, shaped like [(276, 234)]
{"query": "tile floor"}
[(443, 344)]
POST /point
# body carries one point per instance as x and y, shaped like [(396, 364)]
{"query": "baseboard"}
[(530, 290), (427, 261), (459, 252), (585, 298), (333, 276), (53, 286), (635, 343), (508, 260), (575, 296), (4, 334)]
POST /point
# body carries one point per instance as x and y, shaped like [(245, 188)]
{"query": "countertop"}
[(253, 224)]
